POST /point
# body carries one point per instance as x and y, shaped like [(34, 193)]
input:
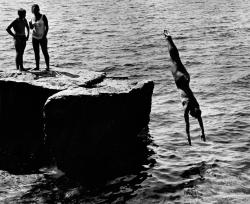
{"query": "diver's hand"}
[(203, 137), (189, 139)]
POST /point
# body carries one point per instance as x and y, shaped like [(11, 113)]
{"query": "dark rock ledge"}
[(77, 117)]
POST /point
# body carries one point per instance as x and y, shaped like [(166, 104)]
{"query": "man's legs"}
[(35, 44), (22, 48), (17, 47), (44, 46)]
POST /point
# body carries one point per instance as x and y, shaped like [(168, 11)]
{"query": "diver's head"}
[(21, 13)]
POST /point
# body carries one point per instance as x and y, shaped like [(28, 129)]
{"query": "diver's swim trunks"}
[(182, 82)]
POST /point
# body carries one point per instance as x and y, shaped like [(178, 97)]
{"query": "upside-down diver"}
[(182, 79)]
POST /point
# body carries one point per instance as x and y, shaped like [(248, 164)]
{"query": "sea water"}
[(124, 38)]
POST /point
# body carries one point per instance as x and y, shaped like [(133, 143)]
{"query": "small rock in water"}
[(53, 172)]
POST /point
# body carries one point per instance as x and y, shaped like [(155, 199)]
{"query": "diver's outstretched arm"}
[(186, 116), (203, 137), (173, 51)]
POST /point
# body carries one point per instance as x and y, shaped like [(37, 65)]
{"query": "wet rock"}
[(87, 127), (22, 98)]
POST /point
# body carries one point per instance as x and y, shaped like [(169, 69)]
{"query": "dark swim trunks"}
[(20, 43), (182, 82)]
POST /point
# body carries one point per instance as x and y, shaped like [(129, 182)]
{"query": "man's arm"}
[(186, 116), (46, 25), (202, 128), (28, 30), (31, 25), (8, 29)]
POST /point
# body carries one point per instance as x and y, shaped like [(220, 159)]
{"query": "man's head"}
[(35, 9), (195, 112), (21, 13)]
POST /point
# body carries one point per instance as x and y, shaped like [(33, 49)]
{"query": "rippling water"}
[(124, 38)]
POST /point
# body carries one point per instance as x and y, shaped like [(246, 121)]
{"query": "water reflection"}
[(116, 181)]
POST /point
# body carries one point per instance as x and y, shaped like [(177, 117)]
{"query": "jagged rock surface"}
[(85, 127), (79, 117), (22, 98)]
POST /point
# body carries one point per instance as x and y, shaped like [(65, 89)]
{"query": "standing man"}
[(19, 35), (182, 79), (40, 27)]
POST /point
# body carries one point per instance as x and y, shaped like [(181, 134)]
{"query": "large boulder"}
[(87, 127), (81, 118), (22, 98)]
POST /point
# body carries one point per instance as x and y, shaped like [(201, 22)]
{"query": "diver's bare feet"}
[(166, 34)]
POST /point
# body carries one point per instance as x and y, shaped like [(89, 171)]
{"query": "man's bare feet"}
[(22, 70), (35, 69)]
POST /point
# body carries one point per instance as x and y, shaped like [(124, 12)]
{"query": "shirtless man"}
[(20, 38), (182, 79)]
